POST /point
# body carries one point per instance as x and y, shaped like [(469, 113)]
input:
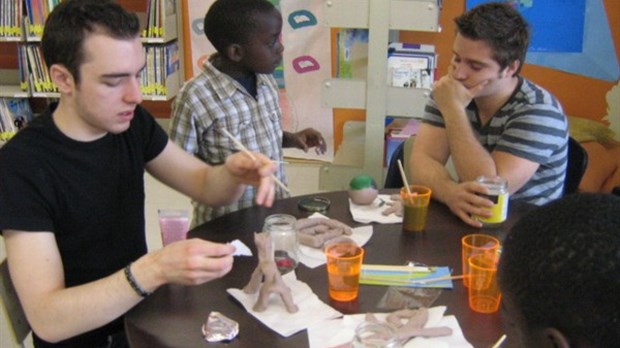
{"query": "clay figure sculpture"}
[(266, 278), (315, 232), (409, 323)]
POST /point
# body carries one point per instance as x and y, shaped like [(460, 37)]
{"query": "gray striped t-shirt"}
[(531, 125)]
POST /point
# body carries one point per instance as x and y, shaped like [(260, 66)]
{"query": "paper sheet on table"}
[(311, 309), (335, 332), (240, 248), (313, 257), (373, 212)]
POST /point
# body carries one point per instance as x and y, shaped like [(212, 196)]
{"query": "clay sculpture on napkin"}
[(394, 206), (409, 323), (314, 232), (267, 278)]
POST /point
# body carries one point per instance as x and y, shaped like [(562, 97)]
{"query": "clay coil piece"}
[(315, 232)]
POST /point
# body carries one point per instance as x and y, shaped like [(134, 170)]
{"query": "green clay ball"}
[(362, 182), (363, 190)]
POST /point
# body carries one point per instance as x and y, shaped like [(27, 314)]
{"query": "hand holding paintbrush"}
[(243, 149)]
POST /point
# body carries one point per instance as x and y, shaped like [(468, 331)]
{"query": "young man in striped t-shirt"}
[(490, 120)]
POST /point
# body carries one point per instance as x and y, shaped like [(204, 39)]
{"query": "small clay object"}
[(315, 232), (412, 318), (410, 323), (363, 190), (395, 206), (266, 278)]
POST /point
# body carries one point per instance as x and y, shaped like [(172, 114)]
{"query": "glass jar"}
[(375, 335), (281, 228), (498, 194)]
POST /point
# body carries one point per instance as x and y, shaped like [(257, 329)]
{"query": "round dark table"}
[(174, 314)]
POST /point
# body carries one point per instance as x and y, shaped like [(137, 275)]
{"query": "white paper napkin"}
[(313, 257), (311, 309), (240, 248), (373, 212), (456, 340), (335, 332)]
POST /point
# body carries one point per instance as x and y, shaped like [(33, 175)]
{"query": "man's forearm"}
[(220, 187), (435, 175), (68, 312), (470, 158)]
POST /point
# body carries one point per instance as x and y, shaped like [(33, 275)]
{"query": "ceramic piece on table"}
[(363, 190), (266, 278)]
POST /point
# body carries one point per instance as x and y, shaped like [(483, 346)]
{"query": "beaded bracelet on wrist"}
[(133, 283)]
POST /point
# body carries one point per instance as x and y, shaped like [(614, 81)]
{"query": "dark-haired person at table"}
[(72, 187), (237, 92), (490, 120), (559, 274)]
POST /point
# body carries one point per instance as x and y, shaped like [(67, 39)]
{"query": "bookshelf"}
[(162, 78), (21, 27), (381, 18)]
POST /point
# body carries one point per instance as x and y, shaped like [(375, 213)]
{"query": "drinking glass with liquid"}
[(498, 194), (281, 228), (375, 335)]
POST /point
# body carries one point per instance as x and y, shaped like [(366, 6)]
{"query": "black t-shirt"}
[(89, 194)]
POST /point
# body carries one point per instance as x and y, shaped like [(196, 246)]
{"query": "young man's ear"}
[(62, 78), (511, 69), (234, 52)]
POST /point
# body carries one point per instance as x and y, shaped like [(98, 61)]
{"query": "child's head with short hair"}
[(560, 274), (246, 32)]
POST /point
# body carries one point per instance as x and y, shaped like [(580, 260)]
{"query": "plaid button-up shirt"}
[(214, 100)]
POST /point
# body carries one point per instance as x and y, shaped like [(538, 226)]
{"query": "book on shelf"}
[(11, 19), (411, 65), (397, 132), (22, 65), (410, 47), (149, 87), (38, 78), (352, 55), (15, 114), (36, 13), (161, 21), (160, 80)]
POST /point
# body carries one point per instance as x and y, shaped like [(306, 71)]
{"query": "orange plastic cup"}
[(484, 295), (476, 244), (415, 207), (344, 264)]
